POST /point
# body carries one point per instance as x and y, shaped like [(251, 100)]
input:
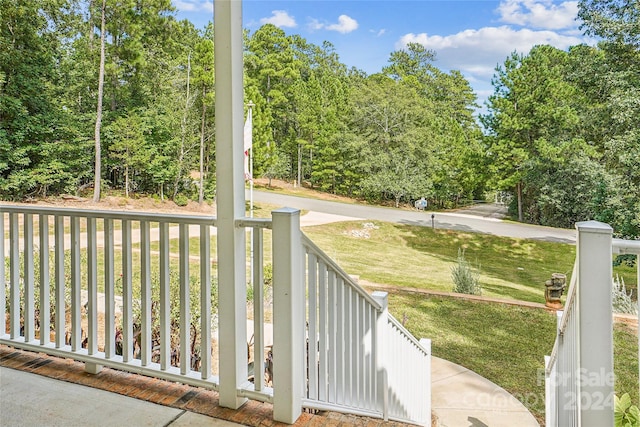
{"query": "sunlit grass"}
[(503, 343), (420, 257)]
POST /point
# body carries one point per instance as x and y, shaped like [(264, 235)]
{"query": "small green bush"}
[(466, 279), (181, 200)]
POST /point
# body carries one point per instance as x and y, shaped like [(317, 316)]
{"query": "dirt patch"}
[(120, 203)]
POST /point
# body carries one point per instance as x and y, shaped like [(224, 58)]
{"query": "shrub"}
[(622, 301), (466, 279), (181, 200)]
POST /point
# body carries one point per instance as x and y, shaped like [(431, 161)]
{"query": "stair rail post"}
[(595, 313), (382, 317), (288, 315)]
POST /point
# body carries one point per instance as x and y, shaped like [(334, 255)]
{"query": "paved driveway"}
[(480, 219)]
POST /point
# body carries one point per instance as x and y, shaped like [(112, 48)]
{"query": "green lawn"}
[(503, 343), (419, 257)]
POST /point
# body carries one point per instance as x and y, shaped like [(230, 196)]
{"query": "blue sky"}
[(472, 36)]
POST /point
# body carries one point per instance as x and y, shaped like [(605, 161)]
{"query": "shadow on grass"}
[(527, 264)]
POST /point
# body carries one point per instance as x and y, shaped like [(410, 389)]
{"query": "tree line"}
[(118, 94)]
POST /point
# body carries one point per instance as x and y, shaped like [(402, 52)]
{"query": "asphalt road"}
[(478, 220)]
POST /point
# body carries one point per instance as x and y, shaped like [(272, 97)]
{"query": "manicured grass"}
[(419, 257), (502, 343), (410, 256)]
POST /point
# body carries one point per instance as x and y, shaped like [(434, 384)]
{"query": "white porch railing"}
[(579, 379), (131, 291), (54, 257)]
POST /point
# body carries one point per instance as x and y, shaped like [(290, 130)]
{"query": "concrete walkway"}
[(462, 398)]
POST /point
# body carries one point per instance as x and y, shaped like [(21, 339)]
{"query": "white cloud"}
[(379, 33), (280, 18), (194, 5), (541, 14), (314, 24), (345, 24), (477, 52)]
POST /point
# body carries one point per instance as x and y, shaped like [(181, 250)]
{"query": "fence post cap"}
[(594, 227)]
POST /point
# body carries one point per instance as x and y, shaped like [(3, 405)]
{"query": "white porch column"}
[(288, 316), (596, 324), (230, 200)]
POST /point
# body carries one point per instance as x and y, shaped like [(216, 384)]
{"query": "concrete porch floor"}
[(41, 390)]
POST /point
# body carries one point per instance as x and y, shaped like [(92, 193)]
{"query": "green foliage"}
[(466, 279), (562, 127), (561, 130), (181, 200), (37, 286), (175, 307), (626, 414)]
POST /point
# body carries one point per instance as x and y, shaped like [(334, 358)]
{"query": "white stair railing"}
[(579, 379), (362, 360)]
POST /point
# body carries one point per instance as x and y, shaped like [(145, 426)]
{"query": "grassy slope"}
[(420, 257), (502, 343)]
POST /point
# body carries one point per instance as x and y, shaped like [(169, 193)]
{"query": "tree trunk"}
[(519, 191), (126, 181), (183, 131), (202, 126), (98, 158), (299, 165)]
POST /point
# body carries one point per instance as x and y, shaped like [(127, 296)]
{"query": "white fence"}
[(579, 378), (135, 292)]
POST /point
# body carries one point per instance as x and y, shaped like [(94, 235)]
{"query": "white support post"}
[(28, 279), (14, 276), (258, 308), (76, 286), (595, 324), (380, 348), (109, 291), (288, 312), (230, 199)]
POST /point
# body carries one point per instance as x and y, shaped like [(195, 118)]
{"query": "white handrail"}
[(78, 274), (621, 246), (368, 365)]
